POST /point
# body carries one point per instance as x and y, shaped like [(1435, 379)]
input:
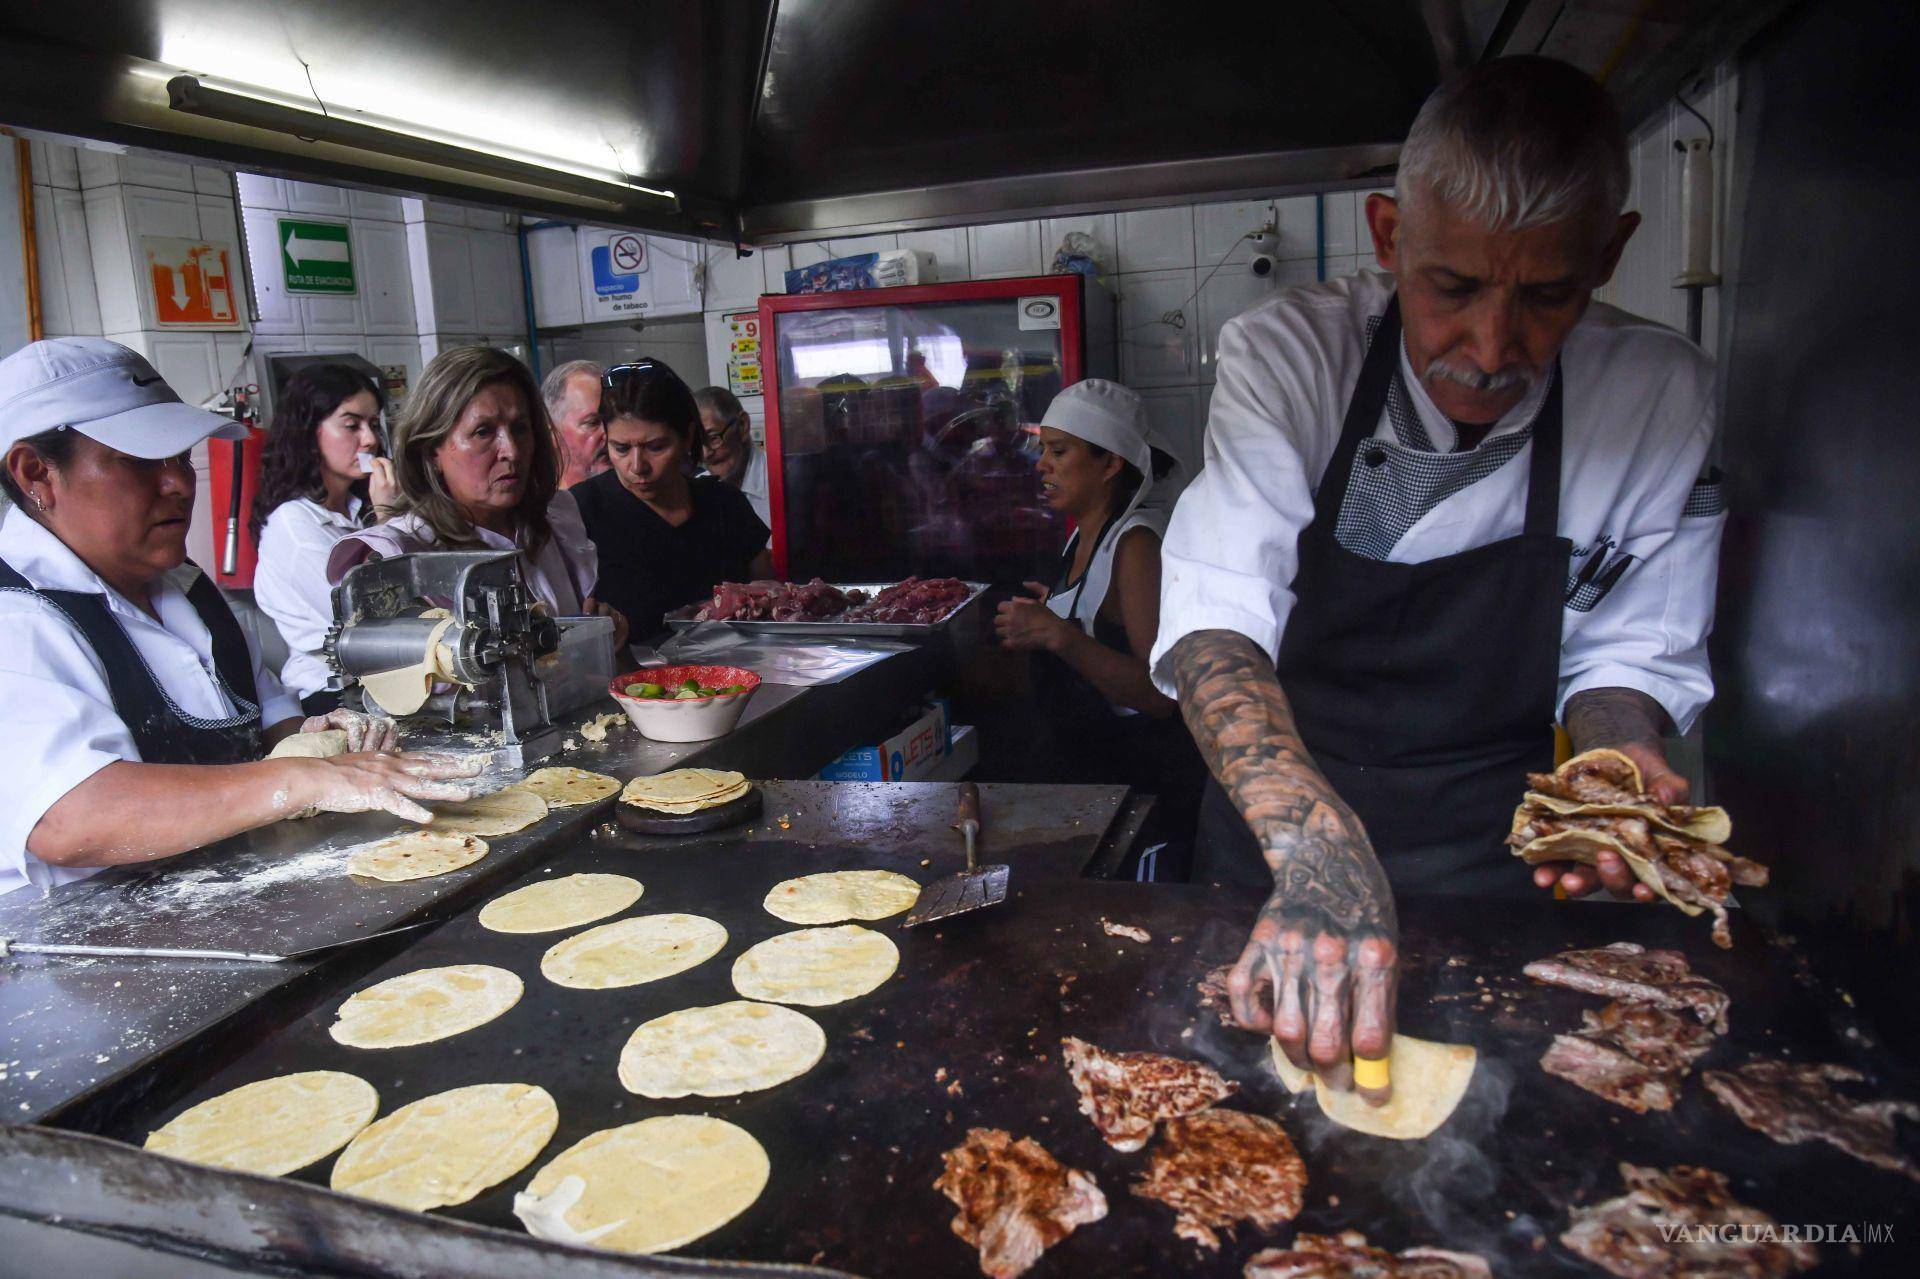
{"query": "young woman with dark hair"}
[(666, 536), (322, 478)]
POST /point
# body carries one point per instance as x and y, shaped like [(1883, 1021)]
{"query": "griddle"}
[(856, 1143)]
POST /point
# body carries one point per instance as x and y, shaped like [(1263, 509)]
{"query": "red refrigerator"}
[(900, 424)]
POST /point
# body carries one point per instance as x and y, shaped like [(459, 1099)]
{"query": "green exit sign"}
[(317, 257)]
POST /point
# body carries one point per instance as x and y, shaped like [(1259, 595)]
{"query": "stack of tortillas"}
[(685, 790)]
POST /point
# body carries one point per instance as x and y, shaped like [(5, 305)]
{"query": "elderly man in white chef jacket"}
[(136, 707), (1442, 506)]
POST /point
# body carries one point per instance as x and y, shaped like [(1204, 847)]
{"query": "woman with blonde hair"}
[(476, 465)]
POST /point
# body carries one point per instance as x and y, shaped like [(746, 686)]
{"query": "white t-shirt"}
[(1638, 416), (754, 483), (290, 583), (61, 726)]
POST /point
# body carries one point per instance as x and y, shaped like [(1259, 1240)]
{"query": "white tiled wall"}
[(1156, 260)]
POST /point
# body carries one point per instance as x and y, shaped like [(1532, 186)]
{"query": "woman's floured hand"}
[(364, 783), (375, 733)]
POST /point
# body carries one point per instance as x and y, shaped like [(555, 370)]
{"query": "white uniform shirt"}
[(61, 726), (1638, 417), (290, 583), (754, 483)]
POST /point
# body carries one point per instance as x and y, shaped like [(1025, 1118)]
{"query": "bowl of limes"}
[(684, 703)]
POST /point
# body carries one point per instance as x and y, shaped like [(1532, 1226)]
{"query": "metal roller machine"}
[(509, 667)]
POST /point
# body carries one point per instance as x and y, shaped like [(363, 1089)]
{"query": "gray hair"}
[(720, 402), (553, 387), (1516, 143)]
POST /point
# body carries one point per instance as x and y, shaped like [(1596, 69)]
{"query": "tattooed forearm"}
[(1323, 866), (1614, 717)]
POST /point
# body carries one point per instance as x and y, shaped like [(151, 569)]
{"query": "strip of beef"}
[(1348, 1256), (762, 601), (1634, 1055), (1669, 1224), (1213, 994), (1126, 1094), (1015, 1200), (1221, 1167), (918, 601), (1793, 1102), (1626, 970)]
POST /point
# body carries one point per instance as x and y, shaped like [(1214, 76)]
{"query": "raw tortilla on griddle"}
[(447, 1148), (1126, 1094), (566, 902), (425, 1005), (272, 1126)]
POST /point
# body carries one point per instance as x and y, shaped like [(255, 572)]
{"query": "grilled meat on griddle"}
[(1221, 1167), (1126, 1094), (1668, 1225), (1015, 1200), (1626, 970), (1213, 994), (1632, 1054), (1793, 1101), (1348, 1256)]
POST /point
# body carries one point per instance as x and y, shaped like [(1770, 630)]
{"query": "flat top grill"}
[(856, 1143)]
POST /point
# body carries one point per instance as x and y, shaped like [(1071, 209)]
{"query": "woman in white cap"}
[(137, 709), (1092, 627)]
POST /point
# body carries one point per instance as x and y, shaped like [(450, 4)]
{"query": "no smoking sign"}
[(629, 253)]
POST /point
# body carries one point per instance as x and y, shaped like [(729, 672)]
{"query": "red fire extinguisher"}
[(235, 468)]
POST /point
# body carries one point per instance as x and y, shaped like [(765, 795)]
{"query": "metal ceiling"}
[(773, 120)]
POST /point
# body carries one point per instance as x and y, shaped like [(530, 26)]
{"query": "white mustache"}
[(1499, 380)]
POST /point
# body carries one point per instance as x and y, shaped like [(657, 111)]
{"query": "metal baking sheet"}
[(880, 630), (967, 1034)]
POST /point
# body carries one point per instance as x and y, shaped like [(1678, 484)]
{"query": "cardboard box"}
[(884, 270), (910, 755)]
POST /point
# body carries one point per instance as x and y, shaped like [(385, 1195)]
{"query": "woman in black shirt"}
[(666, 537)]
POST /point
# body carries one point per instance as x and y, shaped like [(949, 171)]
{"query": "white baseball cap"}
[(105, 391)]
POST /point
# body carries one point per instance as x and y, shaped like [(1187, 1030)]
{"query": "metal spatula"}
[(972, 888)]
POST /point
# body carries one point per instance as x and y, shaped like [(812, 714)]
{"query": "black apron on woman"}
[(1425, 692), (163, 733), (1093, 743)]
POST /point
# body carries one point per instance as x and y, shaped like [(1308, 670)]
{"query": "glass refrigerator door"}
[(908, 445)]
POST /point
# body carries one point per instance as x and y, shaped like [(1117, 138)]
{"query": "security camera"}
[(1265, 245)]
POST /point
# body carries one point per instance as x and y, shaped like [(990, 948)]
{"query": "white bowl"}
[(692, 719)]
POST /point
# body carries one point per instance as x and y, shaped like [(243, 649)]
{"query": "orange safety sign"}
[(192, 281)]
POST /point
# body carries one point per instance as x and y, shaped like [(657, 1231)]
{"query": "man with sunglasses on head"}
[(731, 455), (665, 535)]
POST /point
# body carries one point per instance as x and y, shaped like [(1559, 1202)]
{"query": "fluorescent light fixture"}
[(189, 94)]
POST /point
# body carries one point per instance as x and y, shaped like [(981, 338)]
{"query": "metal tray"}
[(682, 619)]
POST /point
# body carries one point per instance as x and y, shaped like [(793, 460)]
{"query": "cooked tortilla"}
[(565, 787), (647, 1186), (631, 952), (839, 895), (427, 1004), (501, 813), (272, 1126), (566, 902), (1429, 1079), (720, 1051), (703, 786), (447, 1148), (417, 854), (1709, 825), (816, 966)]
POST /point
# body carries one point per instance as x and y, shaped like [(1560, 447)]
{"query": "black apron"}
[(1092, 743), (163, 733), (1425, 692)]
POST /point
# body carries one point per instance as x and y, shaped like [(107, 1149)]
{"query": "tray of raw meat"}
[(918, 608)]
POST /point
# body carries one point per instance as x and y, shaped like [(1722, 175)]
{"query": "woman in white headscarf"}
[(1090, 630)]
